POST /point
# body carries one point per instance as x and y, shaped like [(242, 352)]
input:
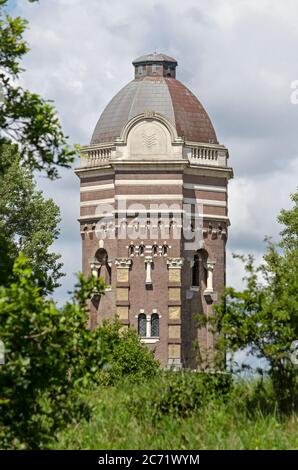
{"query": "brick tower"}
[(154, 214)]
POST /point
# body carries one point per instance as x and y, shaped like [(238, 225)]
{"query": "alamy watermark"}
[(294, 94), (2, 353), (158, 221)]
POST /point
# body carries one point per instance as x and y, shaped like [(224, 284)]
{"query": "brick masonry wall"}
[(133, 296)]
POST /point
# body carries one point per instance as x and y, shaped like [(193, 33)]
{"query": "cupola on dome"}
[(155, 88)]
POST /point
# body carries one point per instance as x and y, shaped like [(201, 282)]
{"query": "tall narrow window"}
[(154, 249), (105, 269), (131, 249), (141, 249), (199, 272), (164, 249), (154, 69), (142, 324), (196, 271), (155, 325)]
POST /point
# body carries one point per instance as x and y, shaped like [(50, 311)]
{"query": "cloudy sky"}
[(238, 56)]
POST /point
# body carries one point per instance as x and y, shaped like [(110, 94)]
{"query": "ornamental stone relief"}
[(148, 138)]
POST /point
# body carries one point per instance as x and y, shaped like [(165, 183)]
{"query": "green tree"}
[(50, 354), (28, 222), (264, 315), (52, 357), (25, 118)]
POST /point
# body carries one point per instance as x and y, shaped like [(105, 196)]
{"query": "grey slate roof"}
[(154, 58), (163, 95), (136, 97)]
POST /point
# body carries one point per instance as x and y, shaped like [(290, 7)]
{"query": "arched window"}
[(105, 269), (154, 324), (154, 249), (164, 249), (199, 273), (141, 249), (142, 324), (131, 249), (195, 271)]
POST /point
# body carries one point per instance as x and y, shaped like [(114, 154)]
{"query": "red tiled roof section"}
[(192, 121)]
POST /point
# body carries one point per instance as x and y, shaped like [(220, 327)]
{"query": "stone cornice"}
[(226, 172)]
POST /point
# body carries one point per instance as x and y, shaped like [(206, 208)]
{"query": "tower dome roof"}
[(154, 58), (155, 88)]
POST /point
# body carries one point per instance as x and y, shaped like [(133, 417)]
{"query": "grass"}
[(124, 417)]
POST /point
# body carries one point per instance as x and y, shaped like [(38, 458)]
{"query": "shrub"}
[(127, 357), (179, 394)]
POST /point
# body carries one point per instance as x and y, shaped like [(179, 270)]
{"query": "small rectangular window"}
[(140, 70), (154, 69)]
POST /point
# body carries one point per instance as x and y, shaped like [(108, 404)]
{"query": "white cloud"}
[(238, 56)]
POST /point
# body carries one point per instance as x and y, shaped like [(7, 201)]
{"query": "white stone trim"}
[(210, 268), (95, 217), (122, 182), (202, 187), (94, 171), (97, 202), (150, 211), (205, 202), (149, 340), (195, 216), (148, 197), (208, 216), (97, 187), (148, 262)]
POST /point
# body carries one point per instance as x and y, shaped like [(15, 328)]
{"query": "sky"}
[(239, 57)]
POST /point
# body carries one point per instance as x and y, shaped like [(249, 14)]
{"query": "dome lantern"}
[(155, 65)]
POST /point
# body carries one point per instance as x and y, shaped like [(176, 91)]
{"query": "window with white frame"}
[(154, 325), (148, 326), (142, 325)]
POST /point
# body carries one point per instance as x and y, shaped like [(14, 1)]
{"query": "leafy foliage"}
[(51, 356), (25, 118), (264, 316), (128, 358), (28, 222), (48, 352)]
